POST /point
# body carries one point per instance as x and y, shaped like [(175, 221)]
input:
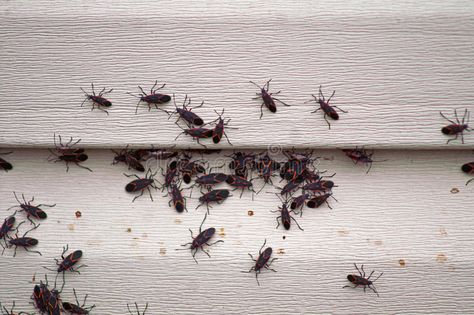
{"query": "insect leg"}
[(138, 196), (84, 167), (442, 115)]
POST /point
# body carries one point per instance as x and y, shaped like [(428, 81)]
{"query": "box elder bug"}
[(24, 241), (319, 186), (186, 114), (361, 156), (317, 201), (140, 184), (211, 179), (68, 263), (138, 311), (262, 261), (285, 215), (267, 98), (128, 157), (30, 210), (5, 311), (170, 175), (218, 196), (240, 183), (361, 280), (46, 301), (467, 168), (7, 227), (241, 162), (98, 100), (201, 239), (197, 134), (4, 165), (265, 166), (299, 201), (189, 168), (153, 98), (77, 308), (328, 110), (219, 129), (177, 198), (457, 127), (68, 154)]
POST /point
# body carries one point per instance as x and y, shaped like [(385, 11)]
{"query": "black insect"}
[(219, 129), (319, 186), (299, 201), (7, 227), (197, 134), (4, 165), (265, 167), (98, 100), (267, 98), (361, 156), (5, 311), (211, 179), (186, 114), (289, 188), (362, 280), (77, 309), (128, 157), (241, 162), (31, 210), (170, 175), (50, 299), (328, 110), (262, 261), (153, 98), (177, 198), (68, 154), (138, 311), (467, 168), (201, 240), (190, 168), (317, 201), (285, 215), (68, 263), (458, 127), (217, 196), (240, 183), (24, 241), (38, 299), (140, 184), (296, 166)]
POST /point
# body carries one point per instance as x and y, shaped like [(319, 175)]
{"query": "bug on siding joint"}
[(77, 308), (30, 210), (98, 100), (67, 263), (468, 168), (361, 156), (67, 153), (6, 166), (200, 240), (23, 241), (328, 110), (5, 311), (362, 280), (138, 311), (153, 98), (457, 127), (128, 157), (267, 98), (262, 261), (177, 197), (186, 114), (140, 184)]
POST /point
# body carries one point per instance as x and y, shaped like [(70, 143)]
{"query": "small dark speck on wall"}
[(78, 214)]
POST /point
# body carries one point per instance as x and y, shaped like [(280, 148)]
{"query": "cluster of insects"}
[(300, 185)]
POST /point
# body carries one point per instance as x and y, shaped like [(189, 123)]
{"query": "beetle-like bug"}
[(218, 196), (201, 239), (467, 168), (189, 168), (7, 226), (4, 165), (177, 198), (5, 311), (262, 261), (457, 127), (319, 186), (197, 134), (211, 179), (240, 183), (240, 162), (140, 184), (77, 309), (98, 100), (24, 241), (128, 157), (68, 263), (289, 188), (265, 167), (30, 210), (45, 300), (328, 110), (170, 175), (267, 98), (285, 215), (317, 201), (186, 114), (361, 156), (219, 129), (299, 201), (138, 311), (68, 154), (153, 98), (362, 280)]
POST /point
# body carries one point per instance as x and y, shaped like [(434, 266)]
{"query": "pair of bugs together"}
[(268, 100)]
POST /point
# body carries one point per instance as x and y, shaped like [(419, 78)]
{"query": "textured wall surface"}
[(404, 209), (394, 66)]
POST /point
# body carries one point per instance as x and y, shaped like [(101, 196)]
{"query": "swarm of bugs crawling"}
[(299, 183)]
